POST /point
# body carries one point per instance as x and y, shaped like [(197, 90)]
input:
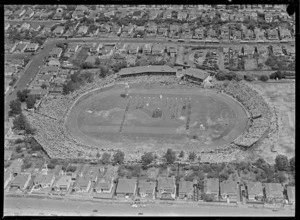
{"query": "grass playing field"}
[(156, 118)]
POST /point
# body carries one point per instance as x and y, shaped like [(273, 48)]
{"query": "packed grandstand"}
[(49, 119)]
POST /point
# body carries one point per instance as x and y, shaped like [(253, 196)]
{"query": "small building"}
[(147, 70), (126, 188), (25, 26), (229, 190), (7, 178), (82, 184), (133, 48), (255, 191), (54, 62), (195, 75), (63, 183), (32, 47), (59, 30), (38, 93), (147, 48), (82, 30), (212, 187), (291, 194), (72, 48), (274, 192), (55, 52), (146, 189), (20, 181), (43, 180), (166, 188), (186, 189), (158, 49)]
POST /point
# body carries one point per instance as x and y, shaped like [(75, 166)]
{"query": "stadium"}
[(151, 109)]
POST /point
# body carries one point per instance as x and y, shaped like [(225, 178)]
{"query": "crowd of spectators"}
[(256, 106)]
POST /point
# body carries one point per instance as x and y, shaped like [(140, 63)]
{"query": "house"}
[(166, 188), (162, 32), (268, 17), (224, 16), (224, 32), (158, 49), (212, 187), (182, 16), (25, 26), (172, 49), (18, 63), (248, 50), (199, 33), (236, 35), (59, 30), (9, 71), (147, 48), (212, 34), (82, 8), (249, 35), (29, 13), (284, 34), (47, 27), (38, 93), (259, 34), (272, 34), (151, 29), (46, 15), (19, 13), (274, 192), (7, 178), (32, 47), (35, 27), (82, 184), (105, 182), (7, 26), (72, 48), (277, 50), (55, 52), (229, 190), (62, 183), (82, 30), (43, 180), (153, 14), (193, 15), (21, 47), (146, 189), (253, 16), (291, 194), (137, 15), (54, 62), (133, 48), (58, 16), (186, 189), (121, 48), (15, 167), (167, 14), (20, 181), (109, 13), (7, 154), (37, 15), (195, 75), (255, 191), (78, 14), (126, 188)]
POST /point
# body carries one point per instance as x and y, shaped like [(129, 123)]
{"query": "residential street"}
[(32, 206)]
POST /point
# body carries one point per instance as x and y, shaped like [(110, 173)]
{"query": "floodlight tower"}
[(126, 88)]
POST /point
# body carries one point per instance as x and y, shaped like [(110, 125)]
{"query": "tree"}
[(282, 162), (181, 155), (105, 158), (97, 61), (249, 78), (264, 78), (30, 102), (231, 76), (118, 157), (71, 169), (22, 95), (207, 197), (147, 159), (220, 76), (19, 122), (192, 156), (170, 156), (292, 163), (281, 177)]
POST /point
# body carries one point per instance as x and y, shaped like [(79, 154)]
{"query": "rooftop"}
[(126, 186)]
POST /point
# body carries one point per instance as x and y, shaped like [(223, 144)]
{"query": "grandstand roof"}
[(197, 73), (146, 69)]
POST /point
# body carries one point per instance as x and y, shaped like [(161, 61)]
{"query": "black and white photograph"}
[(149, 109)]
